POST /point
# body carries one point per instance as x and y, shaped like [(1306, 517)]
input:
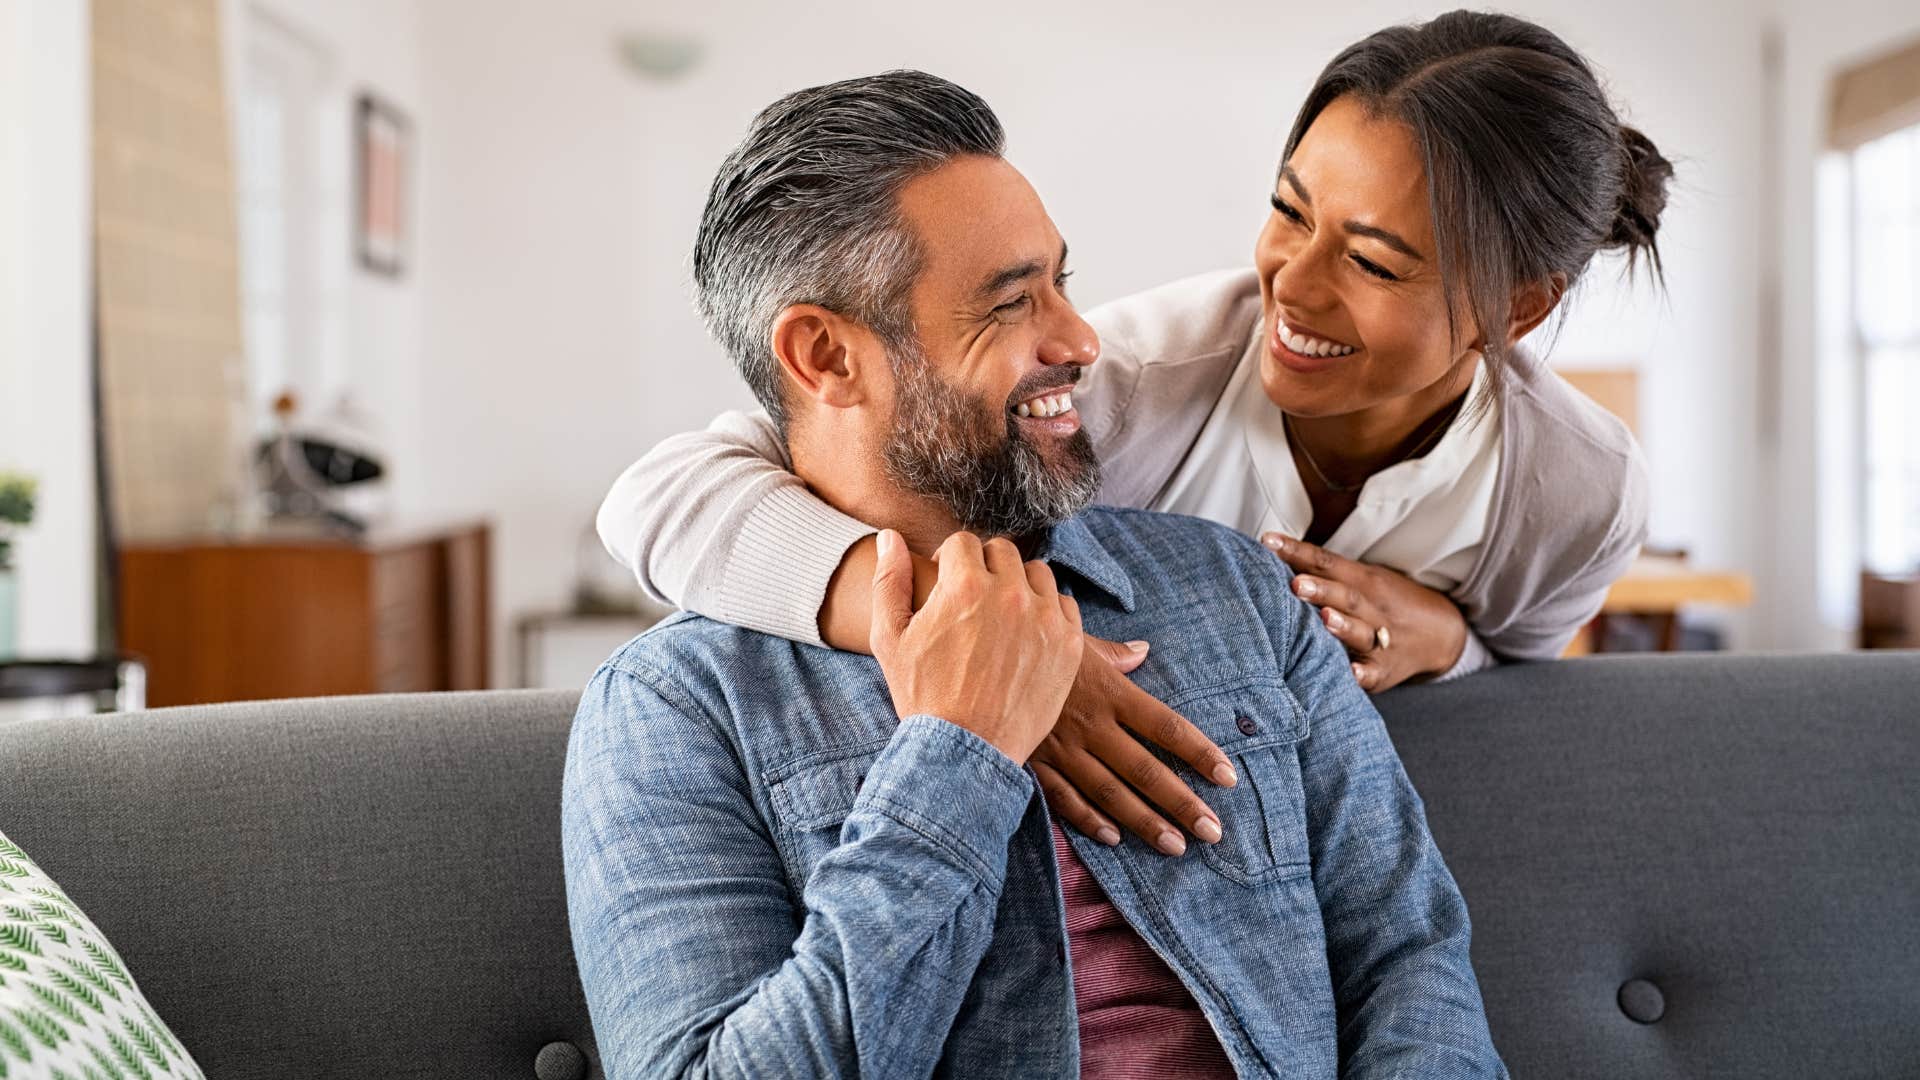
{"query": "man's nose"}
[(1069, 339)]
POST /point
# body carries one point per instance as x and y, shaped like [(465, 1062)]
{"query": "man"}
[(786, 861)]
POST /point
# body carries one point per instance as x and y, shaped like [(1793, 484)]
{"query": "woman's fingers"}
[(1112, 795), (1123, 655), (1327, 592), (1159, 785), (1145, 716), (1070, 806), (1307, 558), (1356, 635)]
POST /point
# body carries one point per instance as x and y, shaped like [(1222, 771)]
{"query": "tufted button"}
[(1642, 1001), (1248, 726), (560, 1061)]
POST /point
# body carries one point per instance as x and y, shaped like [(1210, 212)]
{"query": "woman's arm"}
[(712, 521)]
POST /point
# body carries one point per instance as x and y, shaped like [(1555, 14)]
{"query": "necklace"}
[(1286, 422)]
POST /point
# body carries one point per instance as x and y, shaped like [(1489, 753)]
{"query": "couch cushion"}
[(68, 1004), (346, 887)]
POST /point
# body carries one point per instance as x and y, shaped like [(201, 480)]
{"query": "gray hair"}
[(805, 211)]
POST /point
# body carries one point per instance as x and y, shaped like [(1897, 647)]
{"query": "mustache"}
[(1050, 378)]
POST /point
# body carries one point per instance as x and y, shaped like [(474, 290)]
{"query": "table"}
[(1656, 587)]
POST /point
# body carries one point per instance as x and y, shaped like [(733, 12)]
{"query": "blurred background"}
[(325, 324)]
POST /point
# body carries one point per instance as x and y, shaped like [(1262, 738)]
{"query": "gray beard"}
[(947, 446)]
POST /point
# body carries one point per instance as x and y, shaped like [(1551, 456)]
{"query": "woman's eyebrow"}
[(1385, 236)]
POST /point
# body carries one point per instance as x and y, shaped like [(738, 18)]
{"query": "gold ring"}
[(1381, 639)]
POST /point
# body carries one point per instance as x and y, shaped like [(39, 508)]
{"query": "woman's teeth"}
[(1311, 346), (1051, 405)]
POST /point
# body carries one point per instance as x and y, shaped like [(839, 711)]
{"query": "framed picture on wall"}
[(382, 151)]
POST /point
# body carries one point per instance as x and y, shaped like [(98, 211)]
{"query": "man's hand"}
[(1394, 628), (994, 650)]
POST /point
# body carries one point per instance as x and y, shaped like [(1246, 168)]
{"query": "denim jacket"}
[(769, 874)]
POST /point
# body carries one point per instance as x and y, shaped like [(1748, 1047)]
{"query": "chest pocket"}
[(1259, 725), (811, 797)]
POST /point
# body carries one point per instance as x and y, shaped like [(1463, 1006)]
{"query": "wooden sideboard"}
[(238, 619)]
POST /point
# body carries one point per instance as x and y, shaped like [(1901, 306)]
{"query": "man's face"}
[(983, 417)]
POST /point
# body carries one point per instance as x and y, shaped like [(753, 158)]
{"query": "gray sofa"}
[(1676, 866)]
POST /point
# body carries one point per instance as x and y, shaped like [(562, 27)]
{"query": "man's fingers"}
[(1040, 579), (892, 590), (1144, 715), (1356, 635), (1001, 556), (1111, 794), (962, 555), (1122, 656), (1070, 806)]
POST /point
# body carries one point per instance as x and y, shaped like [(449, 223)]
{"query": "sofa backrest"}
[(372, 886)]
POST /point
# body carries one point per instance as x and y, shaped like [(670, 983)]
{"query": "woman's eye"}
[(1375, 269), (1288, 212)]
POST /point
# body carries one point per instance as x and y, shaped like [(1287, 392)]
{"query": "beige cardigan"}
[(713, 520)]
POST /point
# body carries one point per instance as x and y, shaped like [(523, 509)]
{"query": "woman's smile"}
[(1303, 350)]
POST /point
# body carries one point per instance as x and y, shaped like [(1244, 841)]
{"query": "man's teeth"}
[(1311, 346), (1051, 405)]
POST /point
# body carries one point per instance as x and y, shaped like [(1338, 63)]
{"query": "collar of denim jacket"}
[(1071, 546)]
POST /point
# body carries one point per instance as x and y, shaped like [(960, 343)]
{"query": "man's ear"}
[(824, 354), (1532, 303)]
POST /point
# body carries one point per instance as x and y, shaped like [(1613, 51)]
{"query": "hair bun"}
[(1643, 196)]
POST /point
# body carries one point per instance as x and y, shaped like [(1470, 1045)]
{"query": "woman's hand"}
[(1394, 628), (1095, 771)]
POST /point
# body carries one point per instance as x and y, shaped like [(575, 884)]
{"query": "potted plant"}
[(16, 511)]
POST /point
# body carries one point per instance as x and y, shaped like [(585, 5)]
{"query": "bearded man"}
[(787, 861)]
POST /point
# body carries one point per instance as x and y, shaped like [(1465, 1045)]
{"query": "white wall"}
[(1807, 545), (564, 194), (45, 385)]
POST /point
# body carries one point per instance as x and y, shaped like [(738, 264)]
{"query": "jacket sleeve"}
[(697, 958), (1396, 926)]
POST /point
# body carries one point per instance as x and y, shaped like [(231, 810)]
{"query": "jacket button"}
[(1248, 726), (1642, 1001), (560, 1061)]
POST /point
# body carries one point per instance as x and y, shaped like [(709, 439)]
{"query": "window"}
[(290, 155), (1886, 332)]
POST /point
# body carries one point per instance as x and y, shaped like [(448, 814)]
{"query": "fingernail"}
[(1356, 673), (1306, 587), (1137, 646), (1107, 835), (887, 538), (1171, 843), (1207, 829), (1336, 620), (1274, 541), (1224, 775)]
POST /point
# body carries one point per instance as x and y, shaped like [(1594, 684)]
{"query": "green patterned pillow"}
[(68, 1008)]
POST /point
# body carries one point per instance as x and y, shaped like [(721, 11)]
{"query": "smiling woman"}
[(1358, 398)]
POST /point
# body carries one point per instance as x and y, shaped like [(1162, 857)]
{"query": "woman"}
[(1357, 398)]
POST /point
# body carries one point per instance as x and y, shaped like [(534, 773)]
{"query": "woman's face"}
[(1354, 315)]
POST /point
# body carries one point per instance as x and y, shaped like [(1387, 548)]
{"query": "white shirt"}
[(1426, 518)]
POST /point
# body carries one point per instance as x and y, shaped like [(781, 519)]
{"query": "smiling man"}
[(787, 861)]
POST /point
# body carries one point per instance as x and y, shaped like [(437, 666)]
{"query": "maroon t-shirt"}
[(1137, 1019)]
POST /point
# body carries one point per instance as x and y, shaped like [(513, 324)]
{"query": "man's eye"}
[(1015, 306)]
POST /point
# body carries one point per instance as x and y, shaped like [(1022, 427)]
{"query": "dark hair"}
[(1529, 171), (805, 211)]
